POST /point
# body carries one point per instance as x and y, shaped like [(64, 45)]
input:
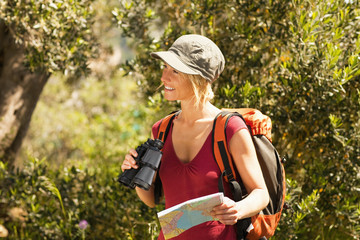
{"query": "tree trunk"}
[(19, 92)]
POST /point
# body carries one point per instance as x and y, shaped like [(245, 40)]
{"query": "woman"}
[(188, 169)]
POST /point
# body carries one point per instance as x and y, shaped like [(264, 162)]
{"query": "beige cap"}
[(194, 54)]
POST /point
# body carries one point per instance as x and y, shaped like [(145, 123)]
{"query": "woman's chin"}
[(169, 97)]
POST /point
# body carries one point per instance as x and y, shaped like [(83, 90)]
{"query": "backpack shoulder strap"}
[(220, 148), (163, 131), (165, 124), (222, 155)]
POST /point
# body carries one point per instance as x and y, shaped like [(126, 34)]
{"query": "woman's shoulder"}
[(234, 124), (155, 127)]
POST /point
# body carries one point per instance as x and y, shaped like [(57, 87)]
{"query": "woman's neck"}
[(191, 113)]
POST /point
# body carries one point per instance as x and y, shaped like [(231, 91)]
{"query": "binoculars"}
[(148, 160)]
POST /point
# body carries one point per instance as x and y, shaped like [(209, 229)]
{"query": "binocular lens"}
[(127, 177), (144, 178)]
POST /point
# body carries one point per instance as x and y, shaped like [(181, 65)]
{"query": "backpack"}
[(263, 224)]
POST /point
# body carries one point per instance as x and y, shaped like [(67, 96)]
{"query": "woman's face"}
[(176, 87)]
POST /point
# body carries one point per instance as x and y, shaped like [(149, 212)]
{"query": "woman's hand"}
[(147, 196), (129, 161), (227, 213)]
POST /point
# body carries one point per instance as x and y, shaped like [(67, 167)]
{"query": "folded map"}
[(183, 216)]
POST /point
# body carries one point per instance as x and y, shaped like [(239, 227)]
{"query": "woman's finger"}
[(133, 152), (129, 161)]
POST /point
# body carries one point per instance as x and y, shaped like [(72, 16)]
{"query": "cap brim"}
[(173, 60)]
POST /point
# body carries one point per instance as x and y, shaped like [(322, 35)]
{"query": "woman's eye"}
[(175, 71)]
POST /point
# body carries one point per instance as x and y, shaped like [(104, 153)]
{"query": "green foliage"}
[(317, 112), (297, 61), (37, 203), (57, 35), (85, 131)]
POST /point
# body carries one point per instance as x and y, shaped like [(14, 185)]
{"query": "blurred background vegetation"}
[(297, 61)]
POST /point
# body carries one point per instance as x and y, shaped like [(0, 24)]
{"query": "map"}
[(183, 216)]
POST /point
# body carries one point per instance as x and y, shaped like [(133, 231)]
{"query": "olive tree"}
[(38, 38)]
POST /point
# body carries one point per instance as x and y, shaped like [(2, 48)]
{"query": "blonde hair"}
[(201, 88)]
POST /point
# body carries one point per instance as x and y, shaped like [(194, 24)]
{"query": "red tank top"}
[(184, 181)]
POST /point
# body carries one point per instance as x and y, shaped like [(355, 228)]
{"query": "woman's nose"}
[(165, 76)]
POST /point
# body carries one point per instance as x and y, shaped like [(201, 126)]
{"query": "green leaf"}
[(50, 186)]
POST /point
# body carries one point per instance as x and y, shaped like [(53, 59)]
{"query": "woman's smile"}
[(169, 88)]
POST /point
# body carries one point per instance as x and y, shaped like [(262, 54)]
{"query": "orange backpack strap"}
[(165, 125), (220, 147), (222, 155), (163, 131)]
